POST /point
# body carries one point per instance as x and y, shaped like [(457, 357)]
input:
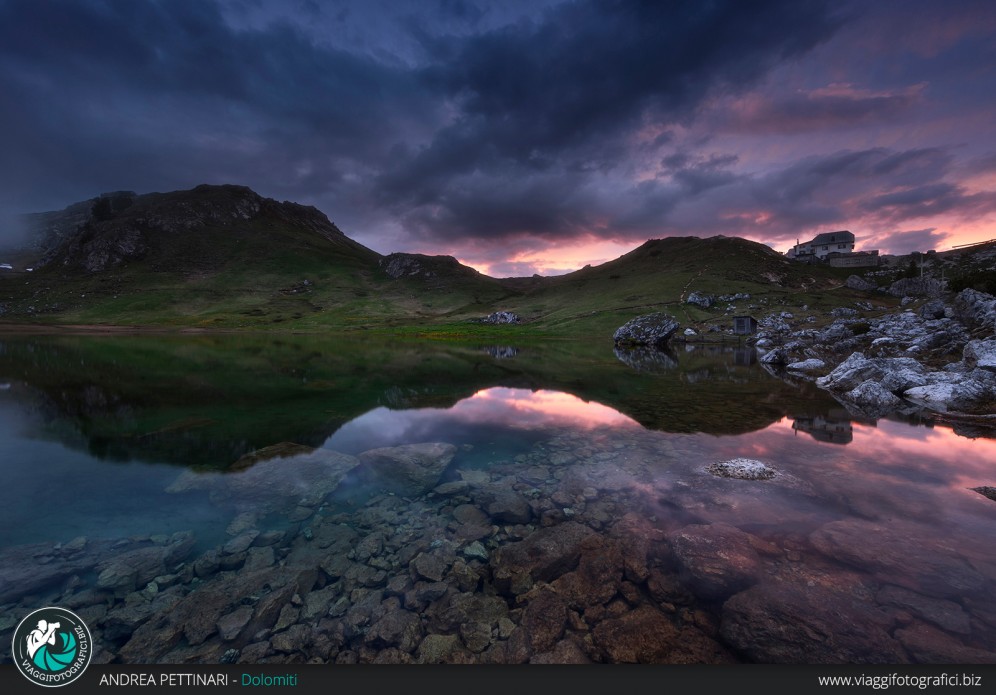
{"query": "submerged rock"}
[(543, 556), (273, 483), (716, 560), (649, 329), (410, 469), (899, 557), (742, 469), (789, 622)]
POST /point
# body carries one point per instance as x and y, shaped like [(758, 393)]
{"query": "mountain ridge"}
[(224, 256)]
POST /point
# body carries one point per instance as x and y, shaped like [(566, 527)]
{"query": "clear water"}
[(101, 438)]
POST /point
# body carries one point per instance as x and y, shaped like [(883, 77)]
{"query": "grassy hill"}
[(224, 257)]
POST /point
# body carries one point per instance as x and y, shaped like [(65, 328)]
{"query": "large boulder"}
[(649, 329), (981, 354), (916, 287), (716, 560), (895, 374), (856, 282), (808, 623), (976, 307), (409, 469), (701, 299), (971, 392), (303, 478)]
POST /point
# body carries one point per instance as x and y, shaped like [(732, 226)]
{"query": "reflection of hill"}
[(207, 400)]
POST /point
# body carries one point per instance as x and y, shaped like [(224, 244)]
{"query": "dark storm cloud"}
[(145, 95), (567, 92), (499, 127)]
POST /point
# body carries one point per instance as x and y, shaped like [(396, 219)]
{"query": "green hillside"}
[(224, 257)]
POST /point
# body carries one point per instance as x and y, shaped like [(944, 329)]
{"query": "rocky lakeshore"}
[(601, 549), (938, 354)]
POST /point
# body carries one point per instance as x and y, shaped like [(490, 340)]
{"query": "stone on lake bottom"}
[(742, 469)]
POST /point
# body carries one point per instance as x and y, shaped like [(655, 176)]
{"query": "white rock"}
[(810, 365), (981, 354), (742, 469)]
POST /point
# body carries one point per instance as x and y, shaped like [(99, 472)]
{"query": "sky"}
[(521, 136)]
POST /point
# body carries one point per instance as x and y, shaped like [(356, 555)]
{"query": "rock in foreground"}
[(649, 329)]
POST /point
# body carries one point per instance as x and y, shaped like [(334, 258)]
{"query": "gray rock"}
[(916, 287), (974, 392), (502, 317), (410, 469), (981, 354), (976, 307), (932, 310), (701, 299), (895, 374), (649, 329), (810, 366), (856, 282), (774, 357), (873, 399), (742, 469)]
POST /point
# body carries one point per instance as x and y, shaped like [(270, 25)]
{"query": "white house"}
[(822, 246)]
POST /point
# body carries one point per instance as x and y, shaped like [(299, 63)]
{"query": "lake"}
[(282, 498)]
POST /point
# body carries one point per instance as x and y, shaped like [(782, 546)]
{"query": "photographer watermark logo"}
[(52, 647)]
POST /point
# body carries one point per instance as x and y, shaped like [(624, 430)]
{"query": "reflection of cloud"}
[(513, 409), (525, 409)]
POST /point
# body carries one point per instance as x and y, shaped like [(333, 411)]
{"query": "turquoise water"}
[(129, 442)]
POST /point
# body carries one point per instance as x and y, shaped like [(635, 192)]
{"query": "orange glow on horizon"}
[(558, 258)]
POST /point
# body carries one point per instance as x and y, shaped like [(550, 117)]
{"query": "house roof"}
[(841, 237)]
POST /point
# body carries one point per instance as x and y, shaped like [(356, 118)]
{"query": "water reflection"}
[(834, 428), (648, 360), (519, 507)]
